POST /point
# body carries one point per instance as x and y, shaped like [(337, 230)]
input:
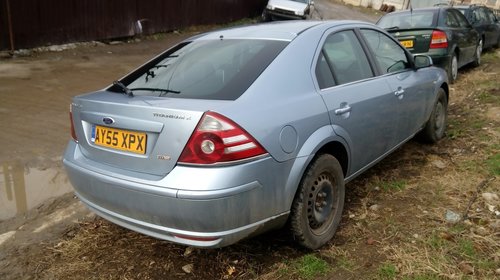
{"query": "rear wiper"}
[(391, 28), (161, 90), (125, 89), (151, 73)]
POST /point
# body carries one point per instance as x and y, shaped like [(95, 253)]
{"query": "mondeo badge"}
[(107, 120)]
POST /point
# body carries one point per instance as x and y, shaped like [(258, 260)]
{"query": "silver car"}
[(237, 131)]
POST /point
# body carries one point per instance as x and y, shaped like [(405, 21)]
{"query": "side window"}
[(462, 21), (491, 16), (389, 55), (324, 73), (343, 55), (476, 16), (482, 15), (451, 21)]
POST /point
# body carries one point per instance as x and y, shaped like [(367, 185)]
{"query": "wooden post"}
[(9, 22)]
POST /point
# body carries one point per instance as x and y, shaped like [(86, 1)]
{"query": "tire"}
[(477, 55), (435, 127), (453, 68), (317, 208)]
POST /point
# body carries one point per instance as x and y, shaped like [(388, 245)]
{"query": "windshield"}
[(419, 19), (301, 1), (206, 69)]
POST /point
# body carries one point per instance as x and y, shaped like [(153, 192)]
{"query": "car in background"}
[(237, 131), (443, 33), (288, 9), (484, 20)]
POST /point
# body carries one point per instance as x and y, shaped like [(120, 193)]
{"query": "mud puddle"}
[(23, 188)]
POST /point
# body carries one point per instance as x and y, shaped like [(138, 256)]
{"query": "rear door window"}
[(450, 20), (491, 16), (342, 60), (462, 21)]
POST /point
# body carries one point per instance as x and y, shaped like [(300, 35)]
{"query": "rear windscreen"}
[(409, 20), (207, 69)]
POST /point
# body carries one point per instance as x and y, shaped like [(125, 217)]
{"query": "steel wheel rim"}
[(479, 51), (321, 204), (454, 67), (439, 118)]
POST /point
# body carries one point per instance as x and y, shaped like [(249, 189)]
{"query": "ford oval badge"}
[(107, 120)]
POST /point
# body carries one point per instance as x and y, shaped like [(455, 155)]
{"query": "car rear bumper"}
[(208, 215), (440, 58), (441, 61)]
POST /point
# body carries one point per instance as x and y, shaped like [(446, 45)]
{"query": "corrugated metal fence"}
[(30, 23)]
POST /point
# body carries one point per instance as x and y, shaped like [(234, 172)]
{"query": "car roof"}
[(284, 30), (430, 9)]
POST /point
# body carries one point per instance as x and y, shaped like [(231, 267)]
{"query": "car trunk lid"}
[(415, 40), (140, 134)]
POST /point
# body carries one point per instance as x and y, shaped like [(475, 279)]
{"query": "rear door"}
[(492, 28), (362, 108), (462, 34)]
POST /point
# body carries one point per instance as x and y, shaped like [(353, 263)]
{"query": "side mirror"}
[(422, 61)]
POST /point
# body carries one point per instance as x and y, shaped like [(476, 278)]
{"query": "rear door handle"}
[(343, 110), (399, 92)]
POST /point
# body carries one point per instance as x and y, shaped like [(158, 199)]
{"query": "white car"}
[(288, 9)]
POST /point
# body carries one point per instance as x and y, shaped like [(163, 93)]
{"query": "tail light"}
[(438, 40), (218, 139), (73, 133)]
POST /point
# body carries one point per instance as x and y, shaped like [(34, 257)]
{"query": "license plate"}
[(130, 141), (407, 43)]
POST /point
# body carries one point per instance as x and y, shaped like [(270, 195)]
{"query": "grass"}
[(310, 266), (466, 248), (387, 271), (345, 263), (398, 185), (436, 242), (493, 163), (428, 276), (487, 95)]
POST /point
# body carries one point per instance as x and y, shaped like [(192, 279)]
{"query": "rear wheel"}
[(318, 204), (453, 68), (477, 56), (435, 127)]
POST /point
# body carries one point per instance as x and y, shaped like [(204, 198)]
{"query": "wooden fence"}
[(31, 23)]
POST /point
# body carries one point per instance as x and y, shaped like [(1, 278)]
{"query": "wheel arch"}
[(456, 50), (446, 89), (339, 151), (324, 140)]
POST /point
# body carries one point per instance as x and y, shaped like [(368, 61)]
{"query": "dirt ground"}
[(400, 218)]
